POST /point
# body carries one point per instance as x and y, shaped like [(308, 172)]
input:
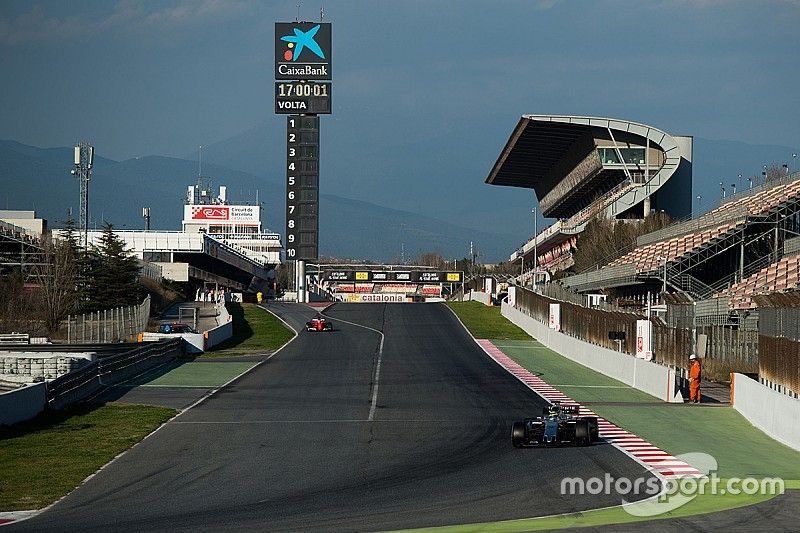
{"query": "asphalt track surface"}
[(289, 446)]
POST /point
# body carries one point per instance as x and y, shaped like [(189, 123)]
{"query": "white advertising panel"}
[(377, 298), (644, 335), (555, 317), (222, 213)]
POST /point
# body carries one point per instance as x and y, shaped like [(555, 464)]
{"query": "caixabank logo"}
[(302, 51)]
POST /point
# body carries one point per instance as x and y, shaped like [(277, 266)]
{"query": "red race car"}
[(318, 323)]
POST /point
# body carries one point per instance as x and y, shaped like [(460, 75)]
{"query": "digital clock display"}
[(302, 97)]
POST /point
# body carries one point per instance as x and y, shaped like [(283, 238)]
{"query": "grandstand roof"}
[(558, 157), (532, 151)]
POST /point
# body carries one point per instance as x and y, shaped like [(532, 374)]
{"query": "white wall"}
[(23, 403), (223, 331), (479, 296), (654, 379), (195, 342), (776, 414)]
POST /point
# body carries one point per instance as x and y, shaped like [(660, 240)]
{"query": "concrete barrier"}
[(27, 367), (776, 414), (654, 379), (222, 332), (195, 342), (478, 296), (22, 404)]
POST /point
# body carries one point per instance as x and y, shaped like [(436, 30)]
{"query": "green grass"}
[(44, 459), (254, 330), (486, 322)]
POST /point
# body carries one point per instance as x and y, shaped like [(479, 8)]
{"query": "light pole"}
[(721, 186), (699, 203)]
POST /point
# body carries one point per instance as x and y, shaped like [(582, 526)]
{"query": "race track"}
[(291, 445)]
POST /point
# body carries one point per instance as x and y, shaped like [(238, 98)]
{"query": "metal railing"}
[(84, 383), (109, 325)]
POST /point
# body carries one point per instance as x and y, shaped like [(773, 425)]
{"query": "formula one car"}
[(559, 425), (319, 323)]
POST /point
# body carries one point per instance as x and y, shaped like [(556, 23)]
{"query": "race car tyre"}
[(517, 434), (582, 435), (594, 433)]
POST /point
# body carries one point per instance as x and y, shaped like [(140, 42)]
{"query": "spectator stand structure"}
[(582, 167)]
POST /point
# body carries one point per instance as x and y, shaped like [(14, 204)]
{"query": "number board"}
[(312, 97), (302, 188)]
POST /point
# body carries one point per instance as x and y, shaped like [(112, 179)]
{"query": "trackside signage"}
[(555, 317), (377, 298), (302, 51), (223, 213), (412, 276), (644, 330)]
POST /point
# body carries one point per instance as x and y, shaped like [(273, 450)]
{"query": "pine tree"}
[(115, 273)]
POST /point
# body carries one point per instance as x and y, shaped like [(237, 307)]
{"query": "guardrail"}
[(81, 384)]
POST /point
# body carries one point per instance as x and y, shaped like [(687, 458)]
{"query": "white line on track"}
[(346, 421), (374, 401)]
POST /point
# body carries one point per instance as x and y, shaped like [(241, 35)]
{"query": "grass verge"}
[(486, 322), (254, 330), (45, 458)]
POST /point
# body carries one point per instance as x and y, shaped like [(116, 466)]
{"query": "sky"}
[(162, 77)]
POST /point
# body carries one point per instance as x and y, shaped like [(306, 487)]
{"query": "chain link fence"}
[(109, 325)]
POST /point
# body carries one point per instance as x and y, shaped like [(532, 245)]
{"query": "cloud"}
[(36, 25)]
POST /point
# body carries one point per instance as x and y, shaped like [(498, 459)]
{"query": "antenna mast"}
[(200, 163), (83, 161)]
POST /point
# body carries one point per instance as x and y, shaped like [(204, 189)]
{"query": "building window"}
[(631, 156)]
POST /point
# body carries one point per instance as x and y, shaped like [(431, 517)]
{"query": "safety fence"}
[(670, 345), (109, 325), (779, 342), (110, 370)]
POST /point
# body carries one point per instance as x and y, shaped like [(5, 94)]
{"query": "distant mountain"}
[(39, 178), (401, 193), (436, 176), (443, 177)]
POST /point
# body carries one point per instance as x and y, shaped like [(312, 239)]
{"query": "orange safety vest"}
[(694, 371)]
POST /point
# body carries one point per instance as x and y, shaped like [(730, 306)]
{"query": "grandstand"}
[(582, 167), (21, 236), (732, 251)]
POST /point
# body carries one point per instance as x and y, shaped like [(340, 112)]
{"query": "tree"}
[(57, 279), (114, 273), (604, 239), (18, 307)]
